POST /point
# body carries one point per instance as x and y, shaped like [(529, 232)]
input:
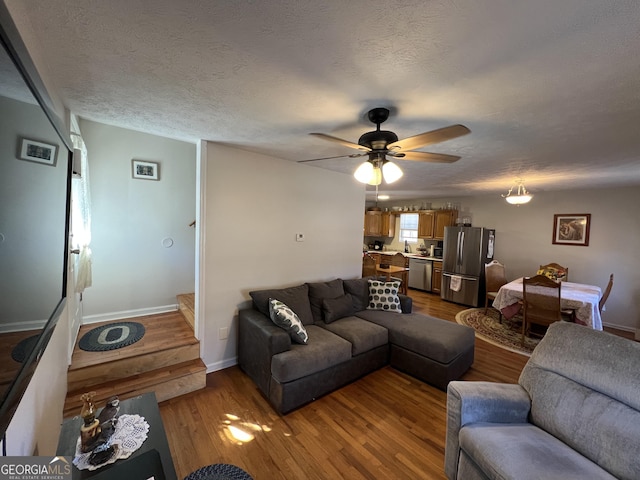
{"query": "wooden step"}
[(85, 378), (186, 306), (167, 382), (166, 361)]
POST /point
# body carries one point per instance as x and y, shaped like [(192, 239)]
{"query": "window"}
[(409, 227)]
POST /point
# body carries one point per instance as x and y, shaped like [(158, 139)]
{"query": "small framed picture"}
[(145, 170), (38, 152), (571, 229)]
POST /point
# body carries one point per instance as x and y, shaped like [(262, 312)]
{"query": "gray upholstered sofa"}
[(574, 414), (343, 343)]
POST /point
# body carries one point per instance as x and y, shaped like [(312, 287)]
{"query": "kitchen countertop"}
[(410, 255)]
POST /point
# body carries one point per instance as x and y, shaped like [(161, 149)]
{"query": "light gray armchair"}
[(574, 414)]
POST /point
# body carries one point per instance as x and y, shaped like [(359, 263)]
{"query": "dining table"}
[(583, 299), (389, 270)]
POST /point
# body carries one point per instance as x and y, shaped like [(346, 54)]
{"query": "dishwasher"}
[(420, 273)]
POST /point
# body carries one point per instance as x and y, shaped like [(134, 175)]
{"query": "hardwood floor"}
[(386, 425)]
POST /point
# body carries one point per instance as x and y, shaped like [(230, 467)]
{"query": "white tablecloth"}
[(574, 296)]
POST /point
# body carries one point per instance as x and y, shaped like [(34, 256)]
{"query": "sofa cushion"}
[(384, 296), (427, 336), (323, 350), (362, 335), (286, 319), (525, 452), (335, 308), (318, 291), (296, 298), (359, 290)]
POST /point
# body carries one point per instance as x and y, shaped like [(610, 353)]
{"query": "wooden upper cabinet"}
[(432, 222), (379, 224), (373, 224), (444, 218), (425, 224), (388, 225)]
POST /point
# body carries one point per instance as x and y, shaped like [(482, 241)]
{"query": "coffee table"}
[(153, 458)]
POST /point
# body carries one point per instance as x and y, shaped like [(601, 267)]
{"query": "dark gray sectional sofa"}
[(346, 341)]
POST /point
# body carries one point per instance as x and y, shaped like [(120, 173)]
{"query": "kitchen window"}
[(409, 227)]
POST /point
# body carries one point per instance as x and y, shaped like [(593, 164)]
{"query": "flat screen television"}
[(35, 185)]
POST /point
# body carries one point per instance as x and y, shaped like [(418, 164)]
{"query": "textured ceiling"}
[(549, 88)]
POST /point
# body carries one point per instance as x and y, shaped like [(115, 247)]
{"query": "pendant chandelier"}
[(521, 197)]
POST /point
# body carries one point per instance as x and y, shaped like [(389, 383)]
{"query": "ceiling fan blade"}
[(346, 143), (353, 155), (428, 157), (428, 138)]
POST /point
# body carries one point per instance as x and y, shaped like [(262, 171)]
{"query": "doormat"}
[(507, 335), (221, 471), (111, 336), (23, 348)]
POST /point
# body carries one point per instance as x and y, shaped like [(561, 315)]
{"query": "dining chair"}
[(606, 293), (399, 260), (495, 277), (541, 302), (368, 266), (554, 271)]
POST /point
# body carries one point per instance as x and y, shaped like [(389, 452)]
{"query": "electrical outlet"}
[(299, 237), (223, 333)]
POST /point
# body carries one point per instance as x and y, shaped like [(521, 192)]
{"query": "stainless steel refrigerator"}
[(466, 251)]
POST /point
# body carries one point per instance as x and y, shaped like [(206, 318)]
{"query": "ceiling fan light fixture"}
[(519, 198), (391, 172), (364, 172)]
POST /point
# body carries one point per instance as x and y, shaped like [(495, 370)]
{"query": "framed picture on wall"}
[(38, 152), (571, 229), (145, 170)]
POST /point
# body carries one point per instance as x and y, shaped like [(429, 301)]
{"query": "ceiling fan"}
[(380, 144)]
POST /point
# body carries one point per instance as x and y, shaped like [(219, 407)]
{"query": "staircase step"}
[(186, 306), (167, 382), (84, 378)]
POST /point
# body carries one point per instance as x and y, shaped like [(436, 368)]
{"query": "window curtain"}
[(81, 216)]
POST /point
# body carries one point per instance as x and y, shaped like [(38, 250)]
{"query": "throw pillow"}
[(297, 298), (336, 308), (384, 296), (359, 290), (287, 319), (318, 291)]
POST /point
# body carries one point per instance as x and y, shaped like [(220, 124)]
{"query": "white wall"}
[(133, 273), (524, 234), (254, 206)]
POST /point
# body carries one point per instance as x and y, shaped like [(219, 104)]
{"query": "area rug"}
[(23, 348), (507, 334), (111, 336)]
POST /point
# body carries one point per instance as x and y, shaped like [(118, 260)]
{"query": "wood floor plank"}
[(387, 425)]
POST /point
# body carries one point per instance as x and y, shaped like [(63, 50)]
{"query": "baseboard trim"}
[(222, 364), (22, 326), (620, 327), (141, 312)]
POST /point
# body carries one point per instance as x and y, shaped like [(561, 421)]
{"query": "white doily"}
[(128, 436)]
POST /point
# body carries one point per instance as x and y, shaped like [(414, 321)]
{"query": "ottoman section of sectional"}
[(431, 349)]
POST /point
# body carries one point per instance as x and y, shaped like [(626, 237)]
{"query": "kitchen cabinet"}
[(436, 277), (443, 218), (425, 224), (431, 223), (379, 224)]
